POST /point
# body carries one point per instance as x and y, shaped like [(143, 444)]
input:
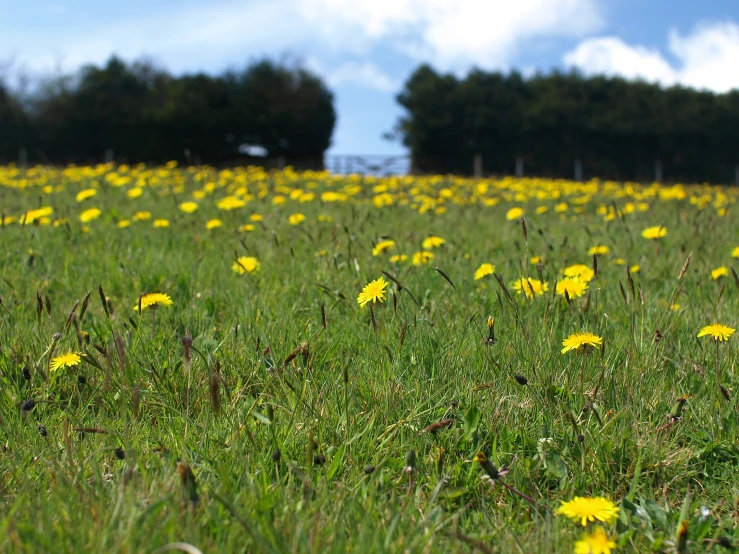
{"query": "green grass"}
[(356, 396)]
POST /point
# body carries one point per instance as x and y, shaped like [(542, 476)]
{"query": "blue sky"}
[(365, 49)]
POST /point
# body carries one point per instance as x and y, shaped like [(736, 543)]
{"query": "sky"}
[(366, 49)]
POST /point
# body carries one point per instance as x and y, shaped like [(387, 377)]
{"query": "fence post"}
[(578, 169), (477, 166), (519, 166), (658, 171)]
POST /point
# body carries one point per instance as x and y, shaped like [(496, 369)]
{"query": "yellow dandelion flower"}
[(331, 196), (398, 258), (514, 213), (580, 272), (619, 261), (124, 223), (588, 509), (34, 215), (735, 252), (90, 215), (542, 210), (719, 272), (382, 247), (154, 299), (530, 287), (296, 219), (246, 264), (161, 223), (256, 217), (484, 270), (372, 292), (188, 207), (536, 259), (575, 288), (230, 203), (65, 360), (323, 218), (598, 251), (653, 233), (85, 194), (432, 242), (246, 228), (423, 257), (580, 340), (142, 216), (595, 543), (635, 268), (717, 331), (135, 192), (213, 224)]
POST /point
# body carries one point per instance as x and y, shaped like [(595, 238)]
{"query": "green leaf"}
[(471, 421)]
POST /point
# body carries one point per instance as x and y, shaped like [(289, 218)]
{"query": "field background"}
[(358, 393)]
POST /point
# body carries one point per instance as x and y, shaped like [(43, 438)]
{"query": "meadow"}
[(235, 360)]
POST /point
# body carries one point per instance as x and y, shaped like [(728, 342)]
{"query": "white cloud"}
[(706, 58), (365, 75), (452, 34)]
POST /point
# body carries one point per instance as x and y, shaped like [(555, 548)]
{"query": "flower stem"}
[(718, 373)]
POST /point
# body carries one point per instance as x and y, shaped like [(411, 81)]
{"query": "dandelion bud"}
[(28, 405), (410, 462), (525, 232), (491, 331), (187, 343), (188, 481)]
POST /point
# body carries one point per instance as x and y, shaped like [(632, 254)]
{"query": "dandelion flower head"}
[(246, 264), (372, 292), (595, 543), (574, 287), (530, 287), (432, 242), (717, 331), (653, 233), (580, 340), (583, 509), (153, 299), (65, 360), (484, 270), (383, 246)]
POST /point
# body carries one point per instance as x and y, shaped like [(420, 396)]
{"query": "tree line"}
[(139, 113), (613, 128)]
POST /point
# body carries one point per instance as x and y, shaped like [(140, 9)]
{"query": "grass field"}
[(265, 410)]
